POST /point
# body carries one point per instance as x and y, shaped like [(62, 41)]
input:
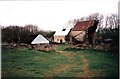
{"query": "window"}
[(57, 39)]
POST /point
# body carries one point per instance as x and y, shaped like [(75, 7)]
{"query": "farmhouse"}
[(83, 31), (59, 36)]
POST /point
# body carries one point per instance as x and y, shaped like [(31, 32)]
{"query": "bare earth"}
[(66, 67)]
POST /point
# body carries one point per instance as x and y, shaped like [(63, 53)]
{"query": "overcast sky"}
[(52, 15)]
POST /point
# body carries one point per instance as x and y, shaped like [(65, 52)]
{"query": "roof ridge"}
[(82, 25)]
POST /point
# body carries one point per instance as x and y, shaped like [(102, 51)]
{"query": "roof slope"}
[(39, 39), (80, 26), (62, 32)]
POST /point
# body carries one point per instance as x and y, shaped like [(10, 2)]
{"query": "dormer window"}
[(63, 29)]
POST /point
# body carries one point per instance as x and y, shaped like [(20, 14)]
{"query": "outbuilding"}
[(41, 43), (83, 31)]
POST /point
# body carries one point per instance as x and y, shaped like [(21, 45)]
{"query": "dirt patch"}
[(62, 68), (85, 68), (66, 67), (67, 54)]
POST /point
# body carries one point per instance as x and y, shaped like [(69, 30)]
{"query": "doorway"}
[(60, 41)]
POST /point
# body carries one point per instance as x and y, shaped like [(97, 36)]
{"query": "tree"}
[(47, 34), (17, 34), (112, 21), (31, 28), (97, 16), (110, 31), (10, 33)]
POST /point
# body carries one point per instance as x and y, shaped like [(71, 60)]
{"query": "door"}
[(61, 41)]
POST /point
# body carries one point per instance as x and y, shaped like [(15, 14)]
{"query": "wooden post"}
[(71, 40)]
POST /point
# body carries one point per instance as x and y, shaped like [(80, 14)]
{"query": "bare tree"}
[(94, 16), (31, 28), (112, 21), (97, 16)]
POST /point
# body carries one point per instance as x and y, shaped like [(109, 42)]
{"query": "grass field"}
[(64, 62)]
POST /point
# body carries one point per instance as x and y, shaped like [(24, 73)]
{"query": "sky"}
[(53, 14)]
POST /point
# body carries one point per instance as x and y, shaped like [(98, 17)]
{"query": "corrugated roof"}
[(83, 25)]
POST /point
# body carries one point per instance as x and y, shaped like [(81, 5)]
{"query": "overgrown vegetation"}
[(62, 63), (109, 33), (20, 34)]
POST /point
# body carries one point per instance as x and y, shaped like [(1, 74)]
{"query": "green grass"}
[(31, 63), (62, 47), (101, 63)]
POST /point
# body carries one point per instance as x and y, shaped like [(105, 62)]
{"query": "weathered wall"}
[(58, 38), (79, 35)]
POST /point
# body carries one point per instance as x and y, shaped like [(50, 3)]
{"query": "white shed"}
[(40, 40)]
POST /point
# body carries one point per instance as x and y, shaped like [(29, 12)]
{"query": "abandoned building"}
[(83, 31), (59, 36)]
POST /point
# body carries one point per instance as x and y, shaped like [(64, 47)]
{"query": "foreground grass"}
[(66, 63), (27, 63), (31, 63), (100, 63)]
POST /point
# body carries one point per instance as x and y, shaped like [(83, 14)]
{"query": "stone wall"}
[(78, 35), (59, 39)]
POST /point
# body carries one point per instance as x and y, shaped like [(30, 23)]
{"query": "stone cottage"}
[(59, 36), (83, 31)]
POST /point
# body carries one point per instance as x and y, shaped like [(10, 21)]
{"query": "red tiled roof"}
[(80, 26)]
